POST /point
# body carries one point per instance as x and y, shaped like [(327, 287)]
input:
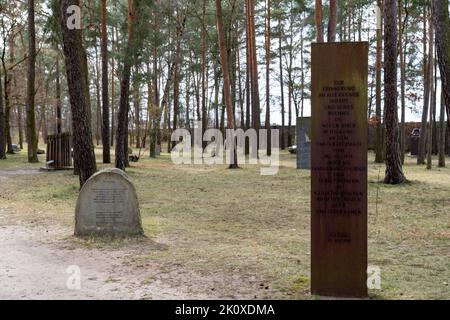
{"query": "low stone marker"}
[(303, 129), (108, 206), (16, 148), (414, 144)]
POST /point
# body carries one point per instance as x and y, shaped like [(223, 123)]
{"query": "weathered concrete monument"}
[(108, 205), (339, 169), (303, 137)]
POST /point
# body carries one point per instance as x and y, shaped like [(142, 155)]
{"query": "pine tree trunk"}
[(432, 102), (254, 67), (442, 23), (447, 133), (226, 79), (302, 67), (248, 68), (31, 75), (98, 111), (105, 93), (318, 20), (20, 124), (137, 112), (204, 35), (176, 81), (241, 93), (188, 101), (44, 123), (289, 71), (8, 116), (426, 99), (222, 111), (176, 100), (2, 124), (269, 146), (113, 95), (155, 105), (7, 85), (394, 173), (58, 97), (332, 22), (216, 99), (122, 125), (378, 113), (43, 119), (402, 82), (434, 123), (76, 60), (280, 55), (232, 63), (442, 124)]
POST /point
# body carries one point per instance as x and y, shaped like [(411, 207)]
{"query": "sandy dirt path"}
[(36, 256), (36, 262), (32, 266)]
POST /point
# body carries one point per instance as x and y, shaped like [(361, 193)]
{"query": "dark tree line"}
[(163, 64)]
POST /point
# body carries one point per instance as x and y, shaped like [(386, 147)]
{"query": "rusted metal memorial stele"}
[(339, 169)]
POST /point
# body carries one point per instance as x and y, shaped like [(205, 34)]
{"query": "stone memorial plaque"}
[(108, 205), (303, 129), (339, 169)]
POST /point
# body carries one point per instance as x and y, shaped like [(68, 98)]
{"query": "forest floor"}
[(212, 233)]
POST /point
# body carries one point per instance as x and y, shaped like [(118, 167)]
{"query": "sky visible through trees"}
[(169, 69)]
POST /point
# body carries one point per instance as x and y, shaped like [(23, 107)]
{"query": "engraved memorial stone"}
[(414, 144), (339, 169), (108, 205), (303, 129)]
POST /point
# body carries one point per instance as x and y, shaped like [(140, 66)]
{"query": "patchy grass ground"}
[(227, 233)]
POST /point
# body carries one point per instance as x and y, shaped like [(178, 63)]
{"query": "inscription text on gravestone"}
[(108, 205)]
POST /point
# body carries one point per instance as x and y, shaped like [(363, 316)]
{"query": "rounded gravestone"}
[(108, 205)]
